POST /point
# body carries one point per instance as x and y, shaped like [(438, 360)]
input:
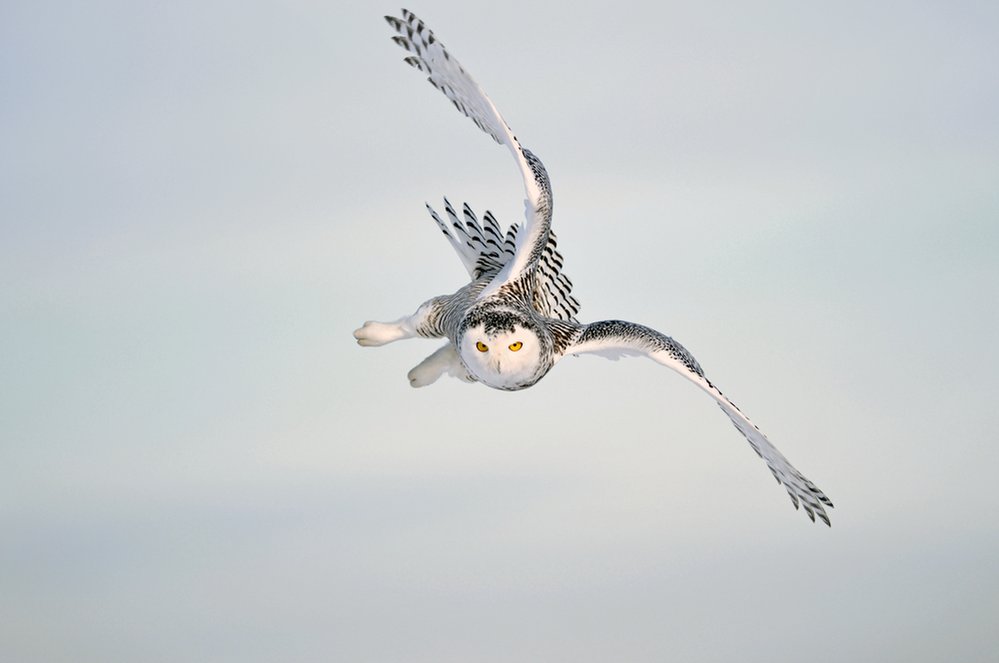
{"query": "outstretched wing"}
[(484, 251), (616, 338), (428, 55)]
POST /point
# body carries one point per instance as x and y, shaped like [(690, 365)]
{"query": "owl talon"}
[(423, 375)]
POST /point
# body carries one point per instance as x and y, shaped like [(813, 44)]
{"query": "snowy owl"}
[(517, 317)]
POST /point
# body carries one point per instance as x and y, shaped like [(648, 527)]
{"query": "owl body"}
[(498, 339), (516, 317)]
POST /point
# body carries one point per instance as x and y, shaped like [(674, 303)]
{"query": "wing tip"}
[(813, 508)]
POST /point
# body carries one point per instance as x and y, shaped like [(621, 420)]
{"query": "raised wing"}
[(428, 55), (485, 250), (616, 338)]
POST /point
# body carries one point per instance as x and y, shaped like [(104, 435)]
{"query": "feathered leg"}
[(373, 333), (445, 360)]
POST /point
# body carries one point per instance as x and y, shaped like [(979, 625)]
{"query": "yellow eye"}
[(481, 347), (516, 346)]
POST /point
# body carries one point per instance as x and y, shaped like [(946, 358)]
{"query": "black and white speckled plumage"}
[(517, 317), (484, 249)]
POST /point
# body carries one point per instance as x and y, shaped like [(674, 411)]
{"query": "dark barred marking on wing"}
[(444, 72), (621, 338), (484, 250)]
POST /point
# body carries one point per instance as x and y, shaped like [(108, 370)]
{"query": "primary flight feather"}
[(516, 318)]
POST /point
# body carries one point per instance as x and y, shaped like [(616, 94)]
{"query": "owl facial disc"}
[(506, 356)]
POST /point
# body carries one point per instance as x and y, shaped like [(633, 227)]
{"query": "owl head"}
[(504, 348)]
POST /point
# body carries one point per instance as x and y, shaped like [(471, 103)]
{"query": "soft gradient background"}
[(200, 200)]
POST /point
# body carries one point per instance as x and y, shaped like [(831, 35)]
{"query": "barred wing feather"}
[(484, 250)]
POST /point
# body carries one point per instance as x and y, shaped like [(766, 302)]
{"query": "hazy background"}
[(200, 200)]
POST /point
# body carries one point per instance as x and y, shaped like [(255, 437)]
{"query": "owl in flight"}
[(517, 317)]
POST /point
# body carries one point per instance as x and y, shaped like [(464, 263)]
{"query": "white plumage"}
[(516, 318)]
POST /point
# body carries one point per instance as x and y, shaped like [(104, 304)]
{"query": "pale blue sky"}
[(200, 200)]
